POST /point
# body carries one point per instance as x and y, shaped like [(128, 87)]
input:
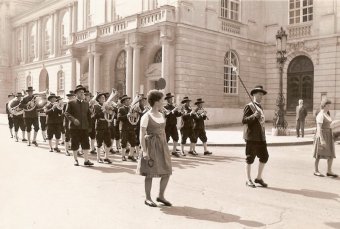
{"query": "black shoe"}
[(150, 203), (123, 158), (76, 163), (207, 153), (112, 151), (183, 153), (261, 182), (100, 161), (132, 158), (93, 152), (67, 153), (332, 175), (249, 183), (177, 150), (35, 143), (24, 140), (57, 150), (29, 144), (193, 153), (107, 160), (62, 143), (11, 136), (51, 150), (175, 154), (88, 163), (164, 201)]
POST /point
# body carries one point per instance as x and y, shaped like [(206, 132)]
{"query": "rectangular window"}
[(230, 9), (300, 11), (47, 44)]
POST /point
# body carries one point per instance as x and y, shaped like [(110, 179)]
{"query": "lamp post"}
[(280, 124)]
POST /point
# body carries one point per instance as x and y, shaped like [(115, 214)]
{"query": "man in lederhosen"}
[(92, 134), (66, 124), (254, 135), (171, 115), (128, 134), (199, 128), (10, 115), (102, 128), (54, 121), (187, 125), (43, 124), (114, 130), (78, 113), (19, 122), (31, 117)]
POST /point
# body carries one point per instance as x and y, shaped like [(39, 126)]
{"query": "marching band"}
[(96, 122)]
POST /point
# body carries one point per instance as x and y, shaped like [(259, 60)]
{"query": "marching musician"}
[(128, 134), (114, 130), (54, 121), (78, 113), (199, 128), (171, 115), (10, 115), (70, 96), (18, 120), (43, 124), (254, 135), (187, 124), (102, 128), (92, 134), (31, 117)]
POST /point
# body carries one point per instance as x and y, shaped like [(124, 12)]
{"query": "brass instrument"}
[(13, 107), (92, 104), (166, 112), (39, 100), (201, 112), (109, 105), (134, 112)]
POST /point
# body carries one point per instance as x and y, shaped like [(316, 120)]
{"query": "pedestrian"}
[(78, 113), (155, 159), (301, 113), (10, 115), (19, 122), (200, 115), (187, 125), (171, 114), (254, 135), (324, 141), (54, 121)]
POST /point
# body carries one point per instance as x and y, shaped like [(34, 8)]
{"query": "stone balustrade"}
[(228, 26), (298, 31)]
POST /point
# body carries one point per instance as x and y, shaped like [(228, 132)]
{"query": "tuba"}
[(109, 105), (13, 107), (134, 112), (39, 100), (92, 104)]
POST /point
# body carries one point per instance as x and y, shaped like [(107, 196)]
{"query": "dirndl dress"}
[(156, 145)]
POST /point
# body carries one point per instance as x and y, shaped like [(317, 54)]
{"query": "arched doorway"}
[(120, 73), (300, 81), (43, 80)]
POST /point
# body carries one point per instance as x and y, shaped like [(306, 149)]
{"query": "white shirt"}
[(145, 119), (321, 115)]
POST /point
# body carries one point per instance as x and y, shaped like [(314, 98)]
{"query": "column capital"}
[(137, 46)]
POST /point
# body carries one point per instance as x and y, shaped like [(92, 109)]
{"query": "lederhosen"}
[(66, 125), (10, 118), (42, 119), (254, 135), (128, 133), (92, 133), (102, 127), (171, 123), (187, 125), (114, 126), (31, 117), (54, 122), (199, 128)]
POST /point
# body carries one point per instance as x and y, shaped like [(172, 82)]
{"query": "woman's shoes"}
[(150, 203), (164, 201), (318, 174), (332, 175)]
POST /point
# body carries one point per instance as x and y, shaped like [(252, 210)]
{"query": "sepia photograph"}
[(183, 114)]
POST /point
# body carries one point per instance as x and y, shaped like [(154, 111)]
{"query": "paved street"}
[(41, 190)]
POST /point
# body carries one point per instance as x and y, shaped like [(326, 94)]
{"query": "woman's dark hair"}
[(154, 96), (324, 102)]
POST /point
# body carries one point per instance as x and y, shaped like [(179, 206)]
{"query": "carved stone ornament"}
[(302, 46)]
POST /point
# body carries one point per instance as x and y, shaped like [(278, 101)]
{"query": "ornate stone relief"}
[(304, 46)]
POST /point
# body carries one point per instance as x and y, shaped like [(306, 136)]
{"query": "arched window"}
[(61, 82), (65, 30), (29, 81), (230, 77), (158, 56), (47, 37), (120, 73), (31, 42)]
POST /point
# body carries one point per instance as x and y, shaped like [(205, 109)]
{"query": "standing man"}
[(78, 113), (254, 135), (70, 96), (10, 115), (187, 126), (54, 121), (301, 113), (200, 116), (171, 115), (31, 117), (19, 122)]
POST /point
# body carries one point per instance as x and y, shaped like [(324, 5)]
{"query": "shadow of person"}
[(115, 168), (310, 193), (333, 224), (208, 215)]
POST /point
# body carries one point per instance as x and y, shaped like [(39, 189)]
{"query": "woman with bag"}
[(324, 141), (155, 159)]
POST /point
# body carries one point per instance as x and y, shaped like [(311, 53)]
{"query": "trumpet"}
[(166, 112), (201, 112)]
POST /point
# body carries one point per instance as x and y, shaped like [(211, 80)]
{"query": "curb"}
[(268, 144)]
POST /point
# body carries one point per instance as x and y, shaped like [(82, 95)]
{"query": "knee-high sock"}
[(63, 137), (43, 134), (107, 150), (260, 171), (11, 131), (23, 134), (16, 135), (50, 143), (56, 143), (86, 155), (92, 144), (205, 145), (248, 171), (123, 152), (174, 146), (66, 146), (29, 136), (98, 153), (35, 135), (75, 155)]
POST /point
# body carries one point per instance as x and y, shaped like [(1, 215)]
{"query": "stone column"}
[(165, 62), (70, 12), (90, 75), (52, 53), (96, 86), (74, 73), (136, 69), (128, 50), (75, 17)]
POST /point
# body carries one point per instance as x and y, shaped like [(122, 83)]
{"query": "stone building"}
[(129, 45)]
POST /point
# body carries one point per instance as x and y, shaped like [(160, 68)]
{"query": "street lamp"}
[(280, 124)]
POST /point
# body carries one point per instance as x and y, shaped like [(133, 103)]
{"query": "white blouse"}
[(145, 119), (321, 115)]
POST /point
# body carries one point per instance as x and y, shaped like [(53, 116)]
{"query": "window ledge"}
[(230, 95), (230, 26)]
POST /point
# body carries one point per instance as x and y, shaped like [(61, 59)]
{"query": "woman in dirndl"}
[(155, 159), (324, 141)]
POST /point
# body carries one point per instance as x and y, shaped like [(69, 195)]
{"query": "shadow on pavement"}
[(333, 225), (115, 168), (208, 215), (310, 193)]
